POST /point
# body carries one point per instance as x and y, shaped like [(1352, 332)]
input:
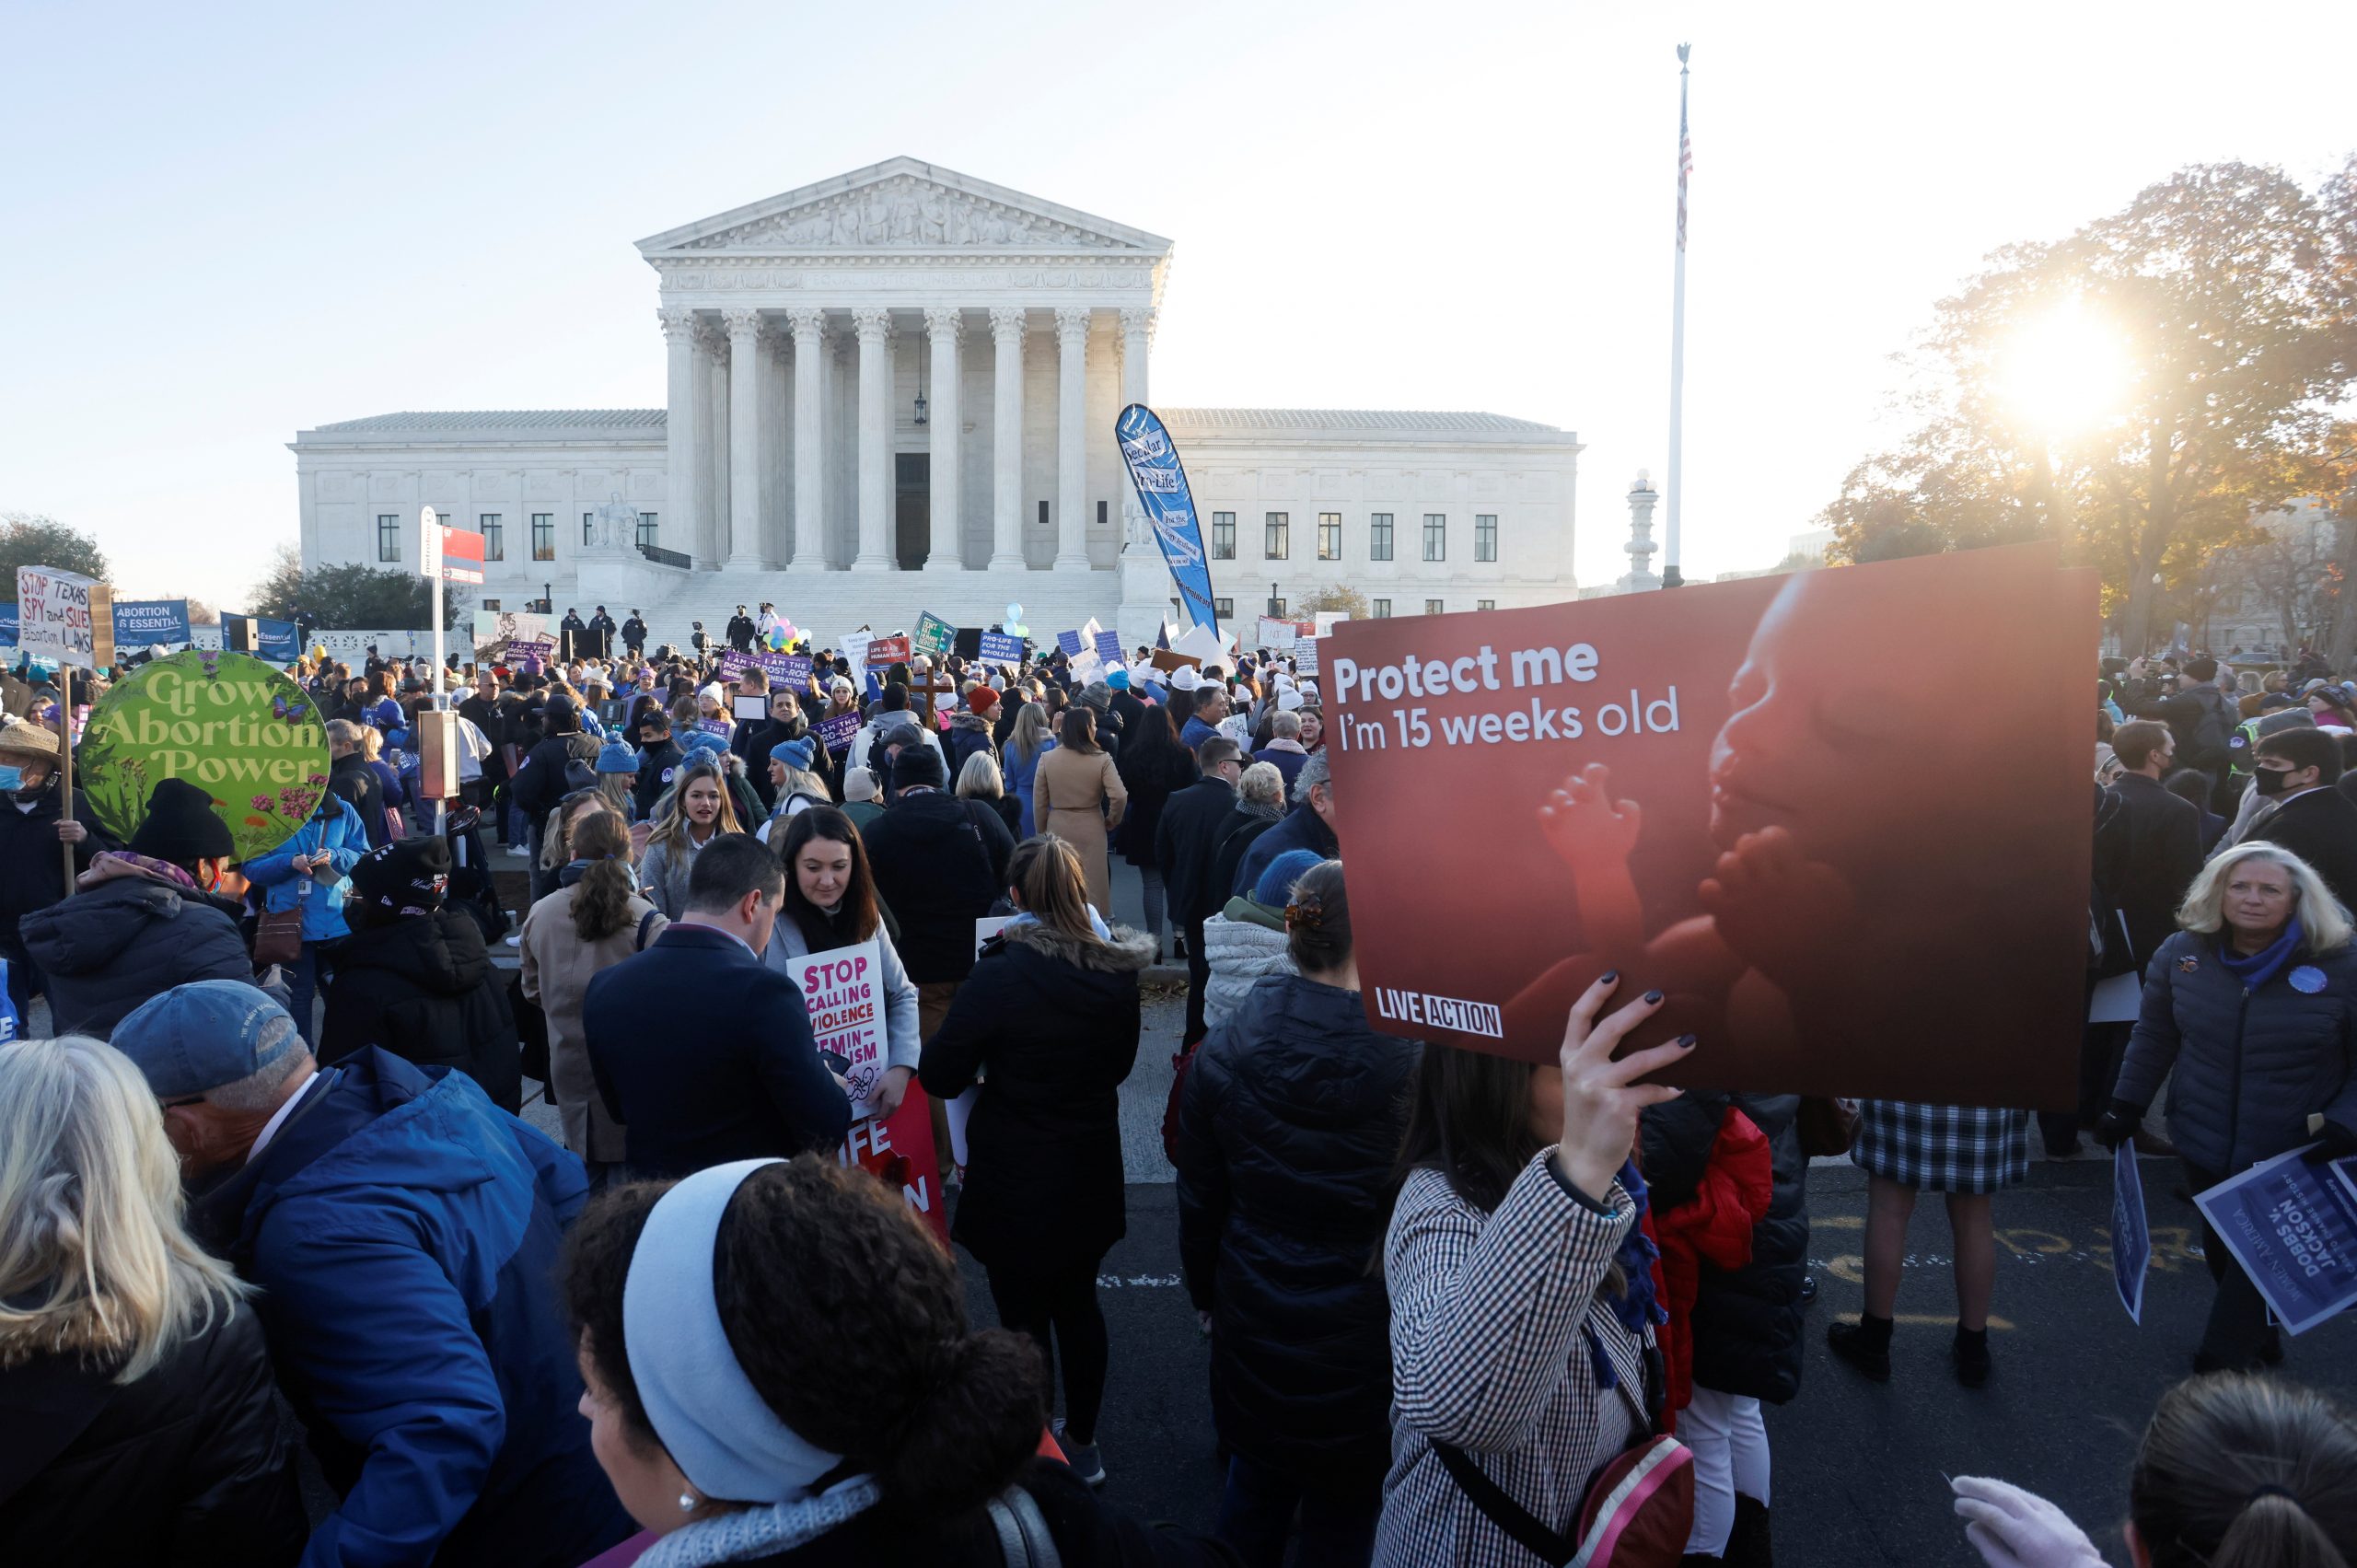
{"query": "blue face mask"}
[(12, 779)]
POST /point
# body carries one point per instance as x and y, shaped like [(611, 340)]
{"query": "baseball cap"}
[(195, 1037)]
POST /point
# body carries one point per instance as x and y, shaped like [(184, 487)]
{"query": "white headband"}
[(720, 1431)]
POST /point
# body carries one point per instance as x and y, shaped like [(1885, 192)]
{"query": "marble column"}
[(679, 490), (1006, 441), (747, 414), (874, 325), (948, 424), (1071, 435), (1137, 329), (707, 549), (715, 435), (809, 449), (777, 444)]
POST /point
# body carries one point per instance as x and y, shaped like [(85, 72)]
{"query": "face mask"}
[(2268, 781), (12, 779)]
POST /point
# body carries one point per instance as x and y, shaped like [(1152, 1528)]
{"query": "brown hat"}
[(28, 740)]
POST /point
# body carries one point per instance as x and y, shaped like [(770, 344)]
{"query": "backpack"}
[(579, 774), (2206, 738)]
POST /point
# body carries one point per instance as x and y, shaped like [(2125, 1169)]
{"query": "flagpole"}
[(1674, 490)]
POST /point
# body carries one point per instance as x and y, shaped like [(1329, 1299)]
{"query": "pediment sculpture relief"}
[(886, 217)]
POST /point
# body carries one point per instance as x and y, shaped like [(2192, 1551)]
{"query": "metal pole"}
[(1675, 491)]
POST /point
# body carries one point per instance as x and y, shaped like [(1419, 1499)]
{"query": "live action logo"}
[(1439, 1012)]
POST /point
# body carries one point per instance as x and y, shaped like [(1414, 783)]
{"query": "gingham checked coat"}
[(1486, 1354)]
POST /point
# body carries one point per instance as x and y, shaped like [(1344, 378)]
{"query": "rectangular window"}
[(1485, 536), (1383, 609), (1100, 513), (1432, 607), (1043, 514), (1435, 536), (1486, 604), (389, 536), (1330, 536), (1277, 608), (1222, 608), (1378, 537), (487, 604), (494, 537), (588, 526), (544, 536), (1223, 535), (650, 533), (1279, 525)]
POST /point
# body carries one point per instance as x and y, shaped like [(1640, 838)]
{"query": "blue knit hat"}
[(1276, 887), (795, 754), (616, 757)]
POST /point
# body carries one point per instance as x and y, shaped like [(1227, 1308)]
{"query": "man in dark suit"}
[(1195, 821), (573, 637), (601, 634), (701, 1049), (2296, 770), (2148, 850), (2148, 842), (741, 630), (634, 634)]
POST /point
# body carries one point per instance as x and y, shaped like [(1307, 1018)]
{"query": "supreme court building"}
[(894, 390)]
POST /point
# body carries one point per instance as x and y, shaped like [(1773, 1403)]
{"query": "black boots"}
[(1971, 1354), (1865, 1344), (1747, 1541)]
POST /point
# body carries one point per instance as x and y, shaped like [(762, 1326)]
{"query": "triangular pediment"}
[(903, 205)]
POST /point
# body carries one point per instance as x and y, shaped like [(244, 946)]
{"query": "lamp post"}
[(1272, 602)]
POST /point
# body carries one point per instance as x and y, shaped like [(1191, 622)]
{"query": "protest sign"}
[(1164, 659), (997, 647), (101, 626), (843, 990), (1070, 642), (1109, 649), (1735, 793), (2292, 1226), (1276, 635), (53, 616), (837, 733), (272, 642), (504, 634), (854, 652), (2131, 1232), (883, 652), (229, 723), (140, 624), (790, 671), (899, 1152), (1304, 656), (1325, 621), (715, 727), (934, 637), (9, 625)]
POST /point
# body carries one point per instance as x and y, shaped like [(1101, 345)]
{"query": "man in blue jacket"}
[(404, 1232), (704, 1053)]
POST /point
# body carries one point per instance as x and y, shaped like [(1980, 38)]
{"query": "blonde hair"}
[(1263, 784), (671, 811), (372, 743), (94, 1258), (2321, 918), (979, 779), (1030, 736)]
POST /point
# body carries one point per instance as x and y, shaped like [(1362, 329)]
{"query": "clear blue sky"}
[(225, 224)]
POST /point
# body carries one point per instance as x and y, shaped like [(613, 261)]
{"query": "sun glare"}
[(2064, 372)]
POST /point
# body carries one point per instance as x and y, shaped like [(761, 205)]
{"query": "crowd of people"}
[(271, 1148)]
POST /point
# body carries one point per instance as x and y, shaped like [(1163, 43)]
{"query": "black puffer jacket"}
[(2250, 1067), (1289, 1131), (940, 862), (32, 865), (1746, 1321), (187, 1466), (107, 950), (1054, 1022), (423, 989)]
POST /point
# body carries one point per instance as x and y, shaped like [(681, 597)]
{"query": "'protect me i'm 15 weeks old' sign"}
[(1852, 872)]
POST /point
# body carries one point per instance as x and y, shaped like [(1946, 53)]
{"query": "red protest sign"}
[(1747, 796), (897, 1151), (882, 651), (462, 555)]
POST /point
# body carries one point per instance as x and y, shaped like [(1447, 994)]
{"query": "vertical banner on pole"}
[(1160, 480)]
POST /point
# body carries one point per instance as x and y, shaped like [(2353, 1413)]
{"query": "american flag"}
[(1685, 154)]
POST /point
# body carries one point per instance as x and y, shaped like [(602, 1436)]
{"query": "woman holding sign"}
[(830, 902), (2254, 1005), (1051, 1014)]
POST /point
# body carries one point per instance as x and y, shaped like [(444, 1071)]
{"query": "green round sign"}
[(239, 730)]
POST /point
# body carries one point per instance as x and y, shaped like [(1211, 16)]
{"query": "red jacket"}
[(1714, 1228)]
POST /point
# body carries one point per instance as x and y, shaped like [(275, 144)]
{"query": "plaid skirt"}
[(1964, 1149)]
